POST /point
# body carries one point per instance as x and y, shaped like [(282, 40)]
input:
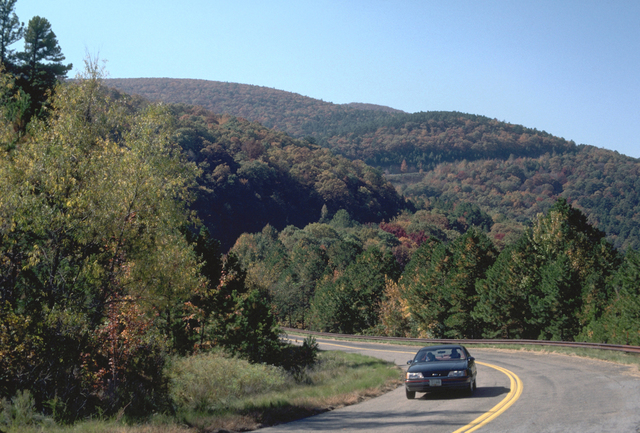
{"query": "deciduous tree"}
[(90, 212)]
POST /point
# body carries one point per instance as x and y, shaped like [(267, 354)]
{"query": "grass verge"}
[(215, 393), (338, 379)]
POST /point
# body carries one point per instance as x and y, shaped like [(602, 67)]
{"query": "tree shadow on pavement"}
[(480, 392)]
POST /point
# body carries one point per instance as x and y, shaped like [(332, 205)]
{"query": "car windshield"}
[(444, 354)]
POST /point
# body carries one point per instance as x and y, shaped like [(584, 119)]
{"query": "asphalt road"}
[(517, 392)]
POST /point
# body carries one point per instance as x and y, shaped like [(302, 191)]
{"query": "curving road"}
[(555, 393)]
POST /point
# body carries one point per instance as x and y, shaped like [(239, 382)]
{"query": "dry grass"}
[(338, 379)]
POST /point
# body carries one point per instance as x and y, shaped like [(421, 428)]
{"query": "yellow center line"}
[(514, 393)]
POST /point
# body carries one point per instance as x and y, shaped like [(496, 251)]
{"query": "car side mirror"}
[(409, 362), (471, 358)]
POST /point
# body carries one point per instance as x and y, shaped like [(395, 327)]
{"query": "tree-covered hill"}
[(290, 112), (378, 135), (603, 184), (419, 141), (254, 176), (512, 172)]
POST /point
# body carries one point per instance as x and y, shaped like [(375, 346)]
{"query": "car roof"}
[(441, 347)]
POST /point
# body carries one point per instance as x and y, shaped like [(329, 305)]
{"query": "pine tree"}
[(552, 283), (11, 31), (620, 322), (40, 64), (40, 45), (442, 295)]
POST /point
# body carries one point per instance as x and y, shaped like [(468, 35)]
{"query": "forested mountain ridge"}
[(512, 172), (290, 112), (603, 184), (254, 176), (419, 141), (378, 135)]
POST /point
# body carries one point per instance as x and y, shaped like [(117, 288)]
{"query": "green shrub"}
[(213, 381), (297, 358), (20, 411)]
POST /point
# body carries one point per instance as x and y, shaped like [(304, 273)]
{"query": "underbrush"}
[(337, 379), (214, 391), (211, 382)]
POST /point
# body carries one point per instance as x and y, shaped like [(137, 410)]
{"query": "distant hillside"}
[(603, 184), (254, 176), (380, 136), (420, 141), (373, 107), (290, 112), (444, 158)]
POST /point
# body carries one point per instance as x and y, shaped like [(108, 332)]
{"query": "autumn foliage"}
[(510, 171)]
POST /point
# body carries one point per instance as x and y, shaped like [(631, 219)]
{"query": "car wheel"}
[(472, 387), (410, 394)]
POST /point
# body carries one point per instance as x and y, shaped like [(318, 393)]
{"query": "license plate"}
[(435, 382)]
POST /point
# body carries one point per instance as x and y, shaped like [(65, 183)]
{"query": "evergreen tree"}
[(424, 290), (472, 255), (555, 301), (503, 296), (11, 31), (442, 294), (620, 322), (40, 63), (243, 323), (41, 45), (552, 283)]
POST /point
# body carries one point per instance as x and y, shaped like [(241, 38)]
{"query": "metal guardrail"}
[(602, 346)]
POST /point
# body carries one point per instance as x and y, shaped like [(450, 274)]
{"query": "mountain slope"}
[(290, 112), (510, 171), (254, 176), (601, 183)]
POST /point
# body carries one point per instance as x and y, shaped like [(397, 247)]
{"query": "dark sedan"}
[(437, 368)]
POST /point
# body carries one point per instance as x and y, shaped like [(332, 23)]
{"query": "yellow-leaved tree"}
[(92, 201)]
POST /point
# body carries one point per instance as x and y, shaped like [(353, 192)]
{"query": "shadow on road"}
[(481, 392), (366, 421)]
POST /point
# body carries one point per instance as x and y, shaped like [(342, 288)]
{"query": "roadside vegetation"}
[(214, 391)]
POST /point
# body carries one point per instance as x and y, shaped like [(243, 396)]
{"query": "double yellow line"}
[(497, 410), (487, 417)]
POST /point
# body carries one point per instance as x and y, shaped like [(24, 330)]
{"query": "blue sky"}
[(571, 68)]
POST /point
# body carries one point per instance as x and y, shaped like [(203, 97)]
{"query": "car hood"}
[(438, 366)]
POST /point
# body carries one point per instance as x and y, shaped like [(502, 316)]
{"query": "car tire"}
[(410, 394), (472, 387)]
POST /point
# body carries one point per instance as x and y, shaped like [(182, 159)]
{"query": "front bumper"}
[(427, 385)]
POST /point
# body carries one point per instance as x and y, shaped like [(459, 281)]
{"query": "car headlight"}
[(413, 376), (457, 373)]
